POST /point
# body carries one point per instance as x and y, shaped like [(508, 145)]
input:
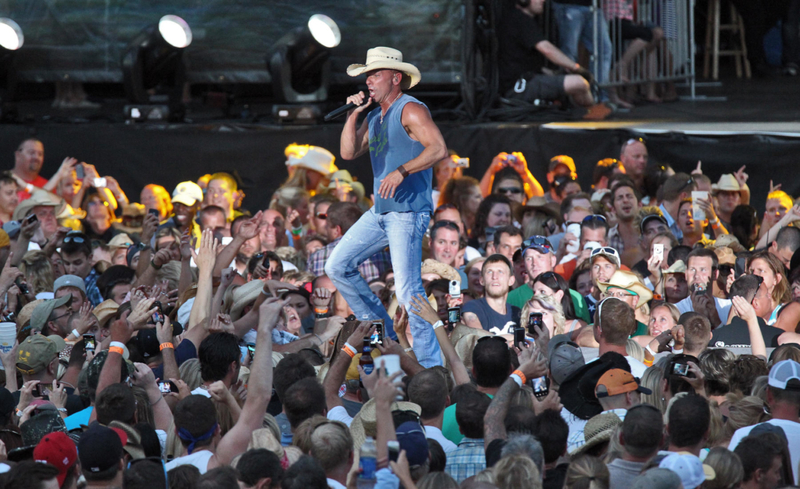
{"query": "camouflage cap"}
[(33, 430), (96, 365)]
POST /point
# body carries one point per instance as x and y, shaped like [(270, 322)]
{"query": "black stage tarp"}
[(167, 154)]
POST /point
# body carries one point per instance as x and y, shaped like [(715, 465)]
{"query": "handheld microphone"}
[(341, 110)]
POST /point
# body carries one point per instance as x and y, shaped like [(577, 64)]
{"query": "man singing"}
[(403, 144)]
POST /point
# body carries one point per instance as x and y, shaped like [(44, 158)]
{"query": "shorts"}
[(542, 87), (630, 30)]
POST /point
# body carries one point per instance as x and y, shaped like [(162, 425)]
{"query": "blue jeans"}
[(575, 23), (402, 232)]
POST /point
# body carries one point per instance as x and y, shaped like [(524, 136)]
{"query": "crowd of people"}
[(641, 333)]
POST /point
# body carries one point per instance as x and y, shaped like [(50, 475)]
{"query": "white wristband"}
[(650, 350), (350, 346), (76, 334), (516, 379), (438, 324), (117, 344), (677, 352)]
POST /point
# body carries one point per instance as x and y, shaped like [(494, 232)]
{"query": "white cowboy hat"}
[(727, 182), (310, 157), (383, 58), (623, 279)]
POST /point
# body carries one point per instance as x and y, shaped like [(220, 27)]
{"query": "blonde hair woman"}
[(587, 472), (552, 314), (38, 271)]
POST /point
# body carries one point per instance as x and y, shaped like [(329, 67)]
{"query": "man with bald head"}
[(28, 161), (634, 158)]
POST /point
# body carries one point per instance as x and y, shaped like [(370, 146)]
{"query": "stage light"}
[(154, 68), (11, 37), (299, 61)]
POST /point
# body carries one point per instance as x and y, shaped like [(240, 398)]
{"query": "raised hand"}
[(422, 308), (207, 255)]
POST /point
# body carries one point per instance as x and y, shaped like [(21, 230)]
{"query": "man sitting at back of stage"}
[(522, 49)]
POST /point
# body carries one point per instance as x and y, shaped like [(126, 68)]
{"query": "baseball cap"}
[(657, 478), (187, 193), (538, 243), (565, 358), (611, 253), (577, 391), (617, 381), (649, 218), (689, 468), (100, 448), (37, 351), (12, 228), (69, 281), (58, 450), (412, 439), (41, 314), (41, 424), (785, 375)]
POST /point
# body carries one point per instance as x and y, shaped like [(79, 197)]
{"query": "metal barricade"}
[(635, 61)]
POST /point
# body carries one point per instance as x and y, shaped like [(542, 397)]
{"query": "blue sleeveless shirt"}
[(389, 147)]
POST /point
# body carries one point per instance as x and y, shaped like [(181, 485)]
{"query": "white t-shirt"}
[(435, 433), (199, 459), (723, 308), (339, 413), (792, 431)]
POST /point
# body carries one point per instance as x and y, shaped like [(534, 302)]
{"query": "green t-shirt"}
[(519, 296), (641, 329)]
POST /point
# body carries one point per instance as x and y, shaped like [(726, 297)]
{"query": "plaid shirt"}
[(615, 240), (92, 292), (618, 9), (371, 269), (467, 460)]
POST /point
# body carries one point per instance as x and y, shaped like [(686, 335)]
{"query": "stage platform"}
[(757, 124)]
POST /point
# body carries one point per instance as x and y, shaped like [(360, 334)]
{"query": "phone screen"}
[(89, 342), (540, 387), (453, 315), (377, 335), (535, 319), (681, 369)]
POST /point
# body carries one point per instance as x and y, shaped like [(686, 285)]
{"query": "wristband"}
[(350, 353), (521, 375), (403, 171), (162, 346), (410, 348), (715, 225), (118, 344), (29, 188), (658, 297), (650, 350), (76, 334), (438, 324), (153, 264), (677, 352), (647, 363), (116, 349), (321, 311), (516, 379)]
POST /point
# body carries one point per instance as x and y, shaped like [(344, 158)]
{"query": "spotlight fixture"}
[(154, 67), (11, 39), (299, 61)]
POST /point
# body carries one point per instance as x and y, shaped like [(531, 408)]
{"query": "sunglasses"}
[(538, 241), (75, 238), (605, 250), (594, 217), (509, 190), (322, 215), (549, 279)]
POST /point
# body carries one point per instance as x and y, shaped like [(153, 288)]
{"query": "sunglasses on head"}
[(605, 250), (549, 279), (75, 237), (538, 241), (594, 217)]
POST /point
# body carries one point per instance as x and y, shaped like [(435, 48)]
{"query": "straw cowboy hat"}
[(364, 423), (598, 430), (243, 296), (39, 198), (343, 177), (444, 271), (623, 279), (677, 267), (727, 183), (310, 157), (383, 58)]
